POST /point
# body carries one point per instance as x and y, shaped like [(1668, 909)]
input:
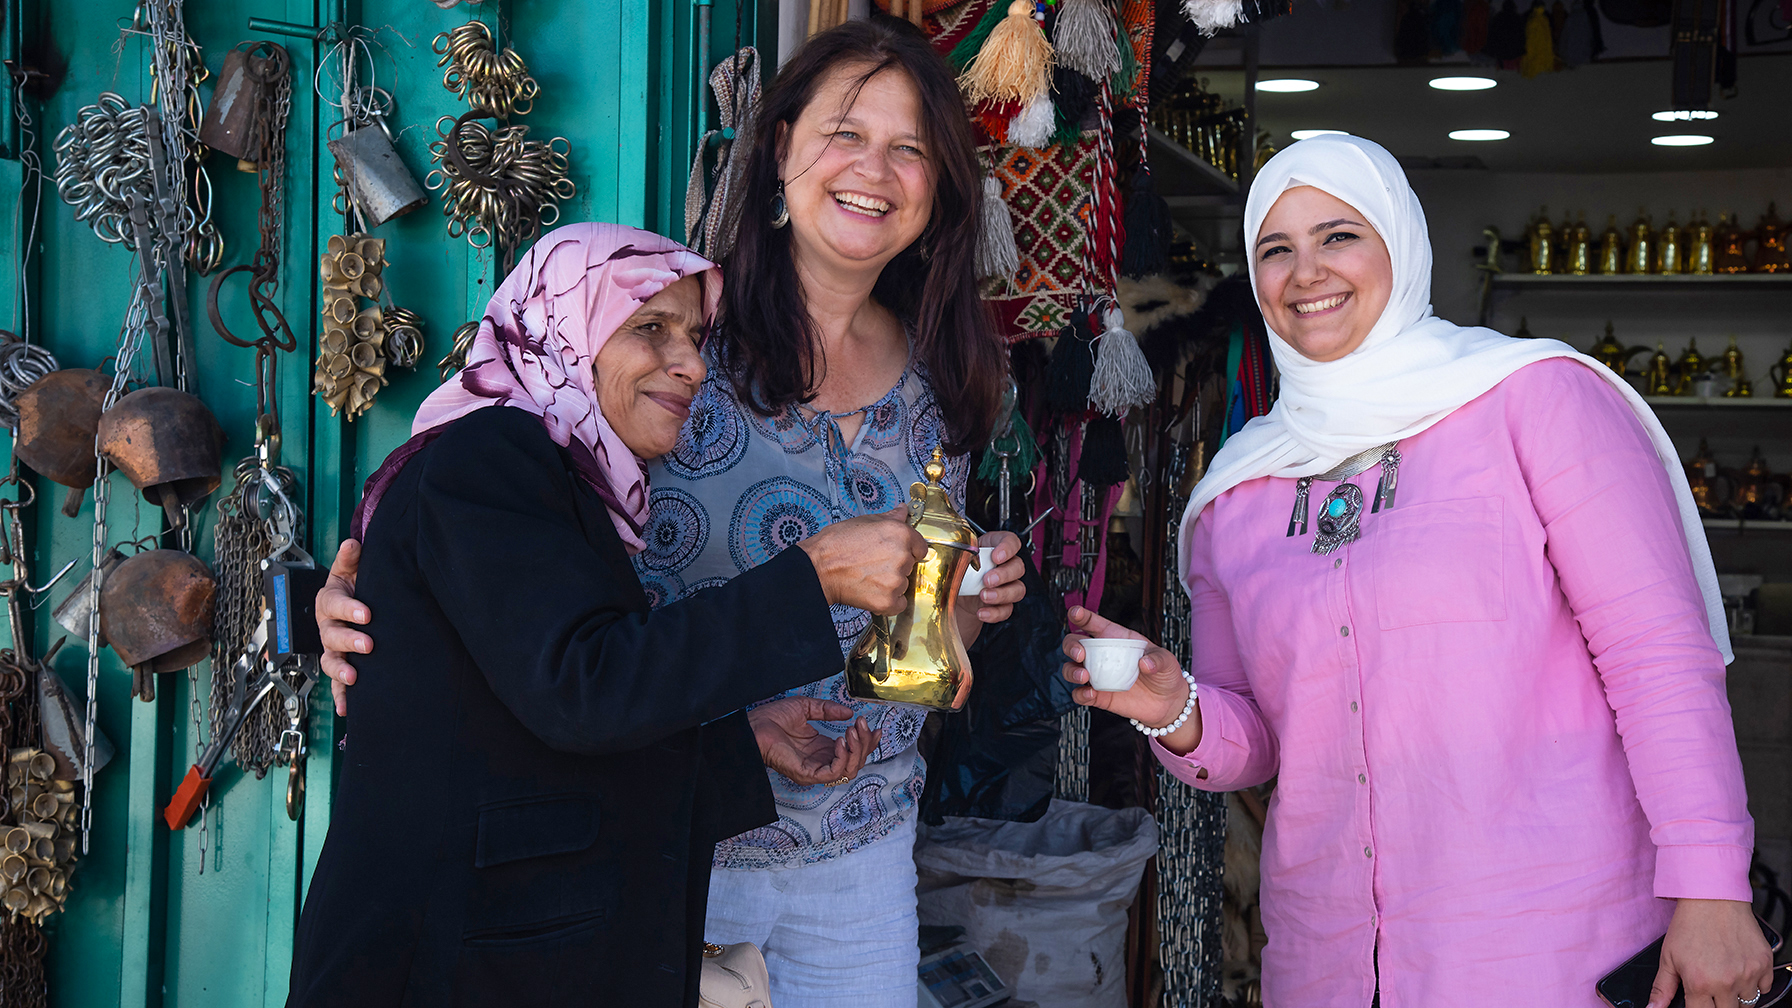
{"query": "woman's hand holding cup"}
[(1155, 698)]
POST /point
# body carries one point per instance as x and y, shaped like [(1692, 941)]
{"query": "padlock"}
[(378, 181)]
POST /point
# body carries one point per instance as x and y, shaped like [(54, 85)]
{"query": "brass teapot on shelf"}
[(1613, 354), (1702, 477), (916, 657), (1759, 494), (1770, 245), (1689, 369), (1659, 379), (1781, 373), (1730, 366)]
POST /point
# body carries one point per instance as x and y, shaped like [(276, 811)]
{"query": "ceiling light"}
[(1310, 134), (1463, 83), (1681, 140), (1479, 134), (1287, 84), (1684, 115)]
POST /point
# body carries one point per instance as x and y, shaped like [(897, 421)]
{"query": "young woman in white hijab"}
[(1489, 680)]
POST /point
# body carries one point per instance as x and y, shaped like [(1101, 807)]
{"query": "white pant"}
[(836, 934)]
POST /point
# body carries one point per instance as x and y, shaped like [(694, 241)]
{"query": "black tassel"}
[(1148, 229), (1104, 460), (1072, 368), (1073, 95)]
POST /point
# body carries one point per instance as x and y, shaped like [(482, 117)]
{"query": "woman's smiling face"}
[(647, 372), (1323, 274), (857, 178)]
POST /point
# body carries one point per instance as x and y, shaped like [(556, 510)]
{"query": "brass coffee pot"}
[(1770, 245), (1702, 244), (1728, 256), (1542, 236), (1782, 376), (1670, 248), (1613, 354), (1659, 380), (1640, 256), (1701, 476), (1611, 248), (1688, 368), (916, 657), (1579, 260), (1730, 367)]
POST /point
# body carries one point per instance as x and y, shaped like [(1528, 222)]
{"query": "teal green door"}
[(144, 925)]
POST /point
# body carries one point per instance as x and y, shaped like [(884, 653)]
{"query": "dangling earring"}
[(780, 212)]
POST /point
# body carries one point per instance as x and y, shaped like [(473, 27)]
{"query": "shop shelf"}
[(1179, 171), (1743, 525), (1717, 402), (1632, 281)]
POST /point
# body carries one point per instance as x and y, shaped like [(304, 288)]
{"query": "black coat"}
[(537, 767)]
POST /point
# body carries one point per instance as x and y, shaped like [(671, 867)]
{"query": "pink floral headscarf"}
[(542, 329)]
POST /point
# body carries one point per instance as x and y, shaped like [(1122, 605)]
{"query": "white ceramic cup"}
[(1113, 662), (973, 577)]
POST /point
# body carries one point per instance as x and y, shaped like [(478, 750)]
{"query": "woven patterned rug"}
[(1047, 192)]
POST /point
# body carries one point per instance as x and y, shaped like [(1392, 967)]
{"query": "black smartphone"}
[(1628, 986)]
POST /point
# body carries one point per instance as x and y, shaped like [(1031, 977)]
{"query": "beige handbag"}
[(734, 976)]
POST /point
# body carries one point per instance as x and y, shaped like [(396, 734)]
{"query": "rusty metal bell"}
[(378, 181), (167, 443), (229, 123), (58, 416), (156, 610)]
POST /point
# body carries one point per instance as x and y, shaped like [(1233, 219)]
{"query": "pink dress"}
[(1497, 719)]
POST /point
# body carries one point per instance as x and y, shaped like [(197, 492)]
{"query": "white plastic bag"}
[(1044, 902)]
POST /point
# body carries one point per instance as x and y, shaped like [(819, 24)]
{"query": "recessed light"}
[(1681, 140), (1463, 83), (1683, 115), (1479, 134), (1288, 84), (1310, 134)]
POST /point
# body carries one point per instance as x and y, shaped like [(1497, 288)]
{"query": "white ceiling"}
[(1594, 118)]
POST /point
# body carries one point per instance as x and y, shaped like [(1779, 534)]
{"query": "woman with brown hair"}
[(851, 303)]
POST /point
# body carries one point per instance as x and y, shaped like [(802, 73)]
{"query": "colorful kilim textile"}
[(1047, 192), (1139, 18), (946, 26)]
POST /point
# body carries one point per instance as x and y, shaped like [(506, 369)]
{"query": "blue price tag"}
[(282, 616)]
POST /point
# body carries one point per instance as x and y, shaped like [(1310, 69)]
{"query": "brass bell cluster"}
[(1752, 493), (1700, 247), (351, 359), (37, 836), (1202, 122)]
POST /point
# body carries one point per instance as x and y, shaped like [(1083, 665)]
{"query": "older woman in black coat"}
[(539, 770)]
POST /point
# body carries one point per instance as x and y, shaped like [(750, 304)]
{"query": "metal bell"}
[(378, 181), (58, 416), (916, 658), (229, 123), (156, 610), (167, 443)]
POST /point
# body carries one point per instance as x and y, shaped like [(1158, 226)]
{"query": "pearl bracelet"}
[(1187, 709)]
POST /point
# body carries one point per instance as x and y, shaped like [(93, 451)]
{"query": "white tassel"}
[(996, 254), (1122, 377), (1212, 15), (1032, 126), (1086, 39)]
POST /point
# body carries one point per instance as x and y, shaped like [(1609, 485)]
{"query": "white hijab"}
[(1411, 371)]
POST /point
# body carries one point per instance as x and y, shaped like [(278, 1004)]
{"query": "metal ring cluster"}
[(497, 183), (102, 158), (21, 365), (493, 82)]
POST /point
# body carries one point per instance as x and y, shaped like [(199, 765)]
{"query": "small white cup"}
[(1113, 662), (973, 577)]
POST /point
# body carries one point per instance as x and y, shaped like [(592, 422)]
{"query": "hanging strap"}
[(711, 218)]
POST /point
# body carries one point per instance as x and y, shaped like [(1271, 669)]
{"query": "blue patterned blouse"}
[(736, 491)]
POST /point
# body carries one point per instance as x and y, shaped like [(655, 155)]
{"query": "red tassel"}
[(993, 117)]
